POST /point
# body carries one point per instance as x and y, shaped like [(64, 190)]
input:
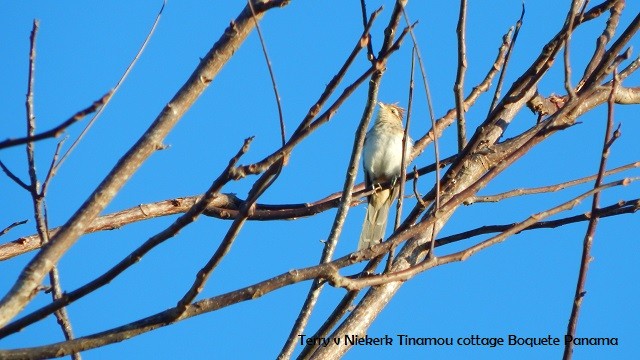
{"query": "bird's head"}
[(391, 112)]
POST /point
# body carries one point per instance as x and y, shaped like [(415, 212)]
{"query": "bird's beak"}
[(382, 105)]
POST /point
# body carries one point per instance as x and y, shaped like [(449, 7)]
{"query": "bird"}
[(382, 162)]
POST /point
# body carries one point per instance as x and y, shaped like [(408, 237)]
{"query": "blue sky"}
[(523, 286)]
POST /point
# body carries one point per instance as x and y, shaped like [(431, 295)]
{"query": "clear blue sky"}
[(523, 286)]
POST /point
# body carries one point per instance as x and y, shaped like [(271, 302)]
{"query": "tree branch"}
[(27, 284)]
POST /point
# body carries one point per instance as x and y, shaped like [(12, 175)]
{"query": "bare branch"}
[(567, 57), (37, 196), (450, 116), (262, 288), (622, 207), (259, 187), (224, 206), (25, 288), (436, 149), (365, 24), (56, 131), (607, 34), (115, 89), (8, 228), (593, 223), (458, 87), (190, 216), (512, 44), (13, 176), (271, 74), (549, 188)]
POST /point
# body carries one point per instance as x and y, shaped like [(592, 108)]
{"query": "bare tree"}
[(414, 246)]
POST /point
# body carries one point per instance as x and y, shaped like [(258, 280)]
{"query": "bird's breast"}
[(382, 155)]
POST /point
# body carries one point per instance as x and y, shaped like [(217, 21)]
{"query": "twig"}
[(458, 87), (187, 218), (54, 132), (13, 176), (567, 56), (415, 189), (37, 196), (403, 166), (478, 90), (622, 207), (607, 34), (512, 44), (258, 188), (591, 228), (546, 189), (115, 89), (365, 24), (271, 74), (436, 150), (8, 228), (633, 66), (51, 172)]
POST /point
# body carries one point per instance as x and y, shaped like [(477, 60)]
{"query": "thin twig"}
[(416, 175), (458, 87), (114, 90), (633, 66), (370, 55), (56, 131), (591, 228), (38, 197), (51, 172), (622, 207), (607, 34), (512, 44), (567, 56), (436, 150), (283, 137), (549, 188), (13, 176), (8, 228), (403, 166)]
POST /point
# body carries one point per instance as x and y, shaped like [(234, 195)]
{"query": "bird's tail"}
[(375, 221)]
